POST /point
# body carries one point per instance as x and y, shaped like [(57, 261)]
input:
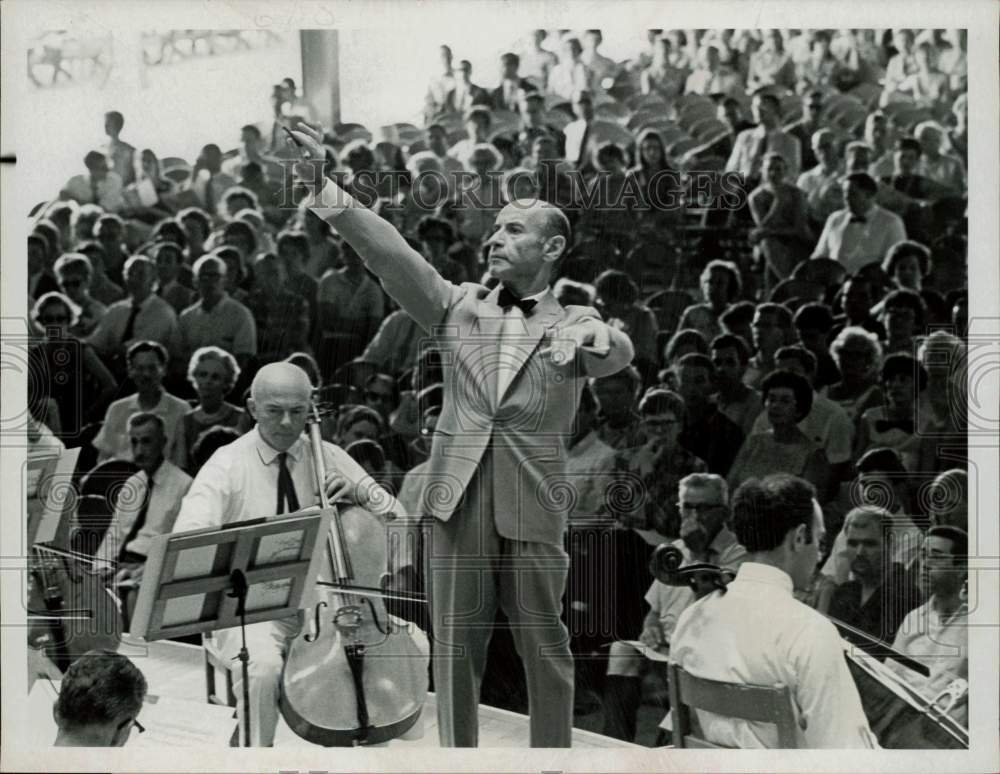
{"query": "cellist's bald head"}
[(280, 399)]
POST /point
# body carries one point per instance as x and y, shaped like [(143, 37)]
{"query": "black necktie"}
[(286, 488), (507, 299), (130, 325), (140, 520), (885, 425), (209, 196), (94, 191), (856, 219)]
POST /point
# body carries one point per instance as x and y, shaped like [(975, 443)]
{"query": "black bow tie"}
[(885, 425), (857, 219), (507, 299)]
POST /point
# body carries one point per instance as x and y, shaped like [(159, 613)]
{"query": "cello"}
[(353, 676)]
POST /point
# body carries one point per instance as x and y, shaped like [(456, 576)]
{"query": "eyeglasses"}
[(698, 507), (379, 396)]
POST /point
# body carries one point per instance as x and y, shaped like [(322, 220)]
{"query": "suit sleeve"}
[(406, 276)]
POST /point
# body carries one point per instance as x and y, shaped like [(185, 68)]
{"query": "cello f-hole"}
[(316, 623)]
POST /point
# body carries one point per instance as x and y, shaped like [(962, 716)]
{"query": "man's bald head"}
[(549, 219), (280, 378)]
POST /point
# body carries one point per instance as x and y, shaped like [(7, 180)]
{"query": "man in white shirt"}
[(477, 127), (244, 480), (861, 232), (208, 181), (601, 67), (537, 62), (937, 632), (146, 505), (122, 154), (440, 87), (99, 186), (579, 143), (147, 365), (143, 316), (752, 144), (703, 500), (821, 184), (217, 319), (756, 633), (570, 75)]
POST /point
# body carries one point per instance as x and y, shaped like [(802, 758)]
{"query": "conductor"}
[(515, 365)]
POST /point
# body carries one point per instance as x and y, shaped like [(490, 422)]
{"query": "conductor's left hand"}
[(590, 335)]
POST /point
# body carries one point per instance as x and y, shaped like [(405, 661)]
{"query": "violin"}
[(353, 676)]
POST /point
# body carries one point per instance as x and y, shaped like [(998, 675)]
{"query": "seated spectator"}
[(819, 70), (730, 112), (721, 285), (772, 329), (169, 257), (935, 164), (100, 699), (281, 316), (661, 77), (293, 250), (858, 355), (65, 369), (826, 424), (928, 86), (738, 320), (99, 185), (235, 279), (673, 348), (958, 136), (351, 307), (661, 188), (109, 231), (907, 263), (821, 183), (84, 221), (858, 297), (780, 212), (101, 286), (937, 633), (862, 231), (119, 153), (767, 136), (213, 373), (208, 181), (618, 420), (880, 591), (892, 425), (784, 448), (881, 481), (711, 75), (770, 64), (603, 70), (874, 155), (477, 127), (370, 456), (706, 432), (948, 498), (252, 150), (813, 322), (217, 319), (41, 279), (147, 366), (904, 314), (570, 75), (481, 195), (619, 303), (210, 441), (703, 501), (146, 506), (737, 402), (144, 199), (74, 273), (243, 237), (436, 238), (940, 409), (908, 192), (806, 127), (649, 472), (579, 142), (143, 316), (197, 228)]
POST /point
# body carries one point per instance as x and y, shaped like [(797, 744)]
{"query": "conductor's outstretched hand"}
[(310, 165)]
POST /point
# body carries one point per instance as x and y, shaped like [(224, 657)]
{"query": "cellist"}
[(269, 470)]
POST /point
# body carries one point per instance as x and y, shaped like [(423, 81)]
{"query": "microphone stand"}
[(239, 593)]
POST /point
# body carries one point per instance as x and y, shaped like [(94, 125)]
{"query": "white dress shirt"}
[(855, 244), (569, 77), (940, 643), (757, 633), (79, 188), (512, 353), (746, 157), (170, 484)]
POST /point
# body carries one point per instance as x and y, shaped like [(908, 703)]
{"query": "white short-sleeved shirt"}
[(826, 424), (757, 633), (228, 324)]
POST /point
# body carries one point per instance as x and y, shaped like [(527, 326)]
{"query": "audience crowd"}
[(776, 217)]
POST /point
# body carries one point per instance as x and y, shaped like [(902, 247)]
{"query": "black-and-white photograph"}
[(598, 386)]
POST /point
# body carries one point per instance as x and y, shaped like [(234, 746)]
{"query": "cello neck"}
[(340, 564)]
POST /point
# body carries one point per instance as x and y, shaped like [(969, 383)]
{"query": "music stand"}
[(218, 578)]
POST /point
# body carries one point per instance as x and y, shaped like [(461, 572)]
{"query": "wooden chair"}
[(216, 664), (762, 704)]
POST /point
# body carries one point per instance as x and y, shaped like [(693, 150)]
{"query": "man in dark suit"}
[(465, 95), (515, 363), (507, 96)]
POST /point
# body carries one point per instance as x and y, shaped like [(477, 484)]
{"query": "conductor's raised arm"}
[(410, 279)]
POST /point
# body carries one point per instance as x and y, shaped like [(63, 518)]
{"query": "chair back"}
[(754, 703)]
